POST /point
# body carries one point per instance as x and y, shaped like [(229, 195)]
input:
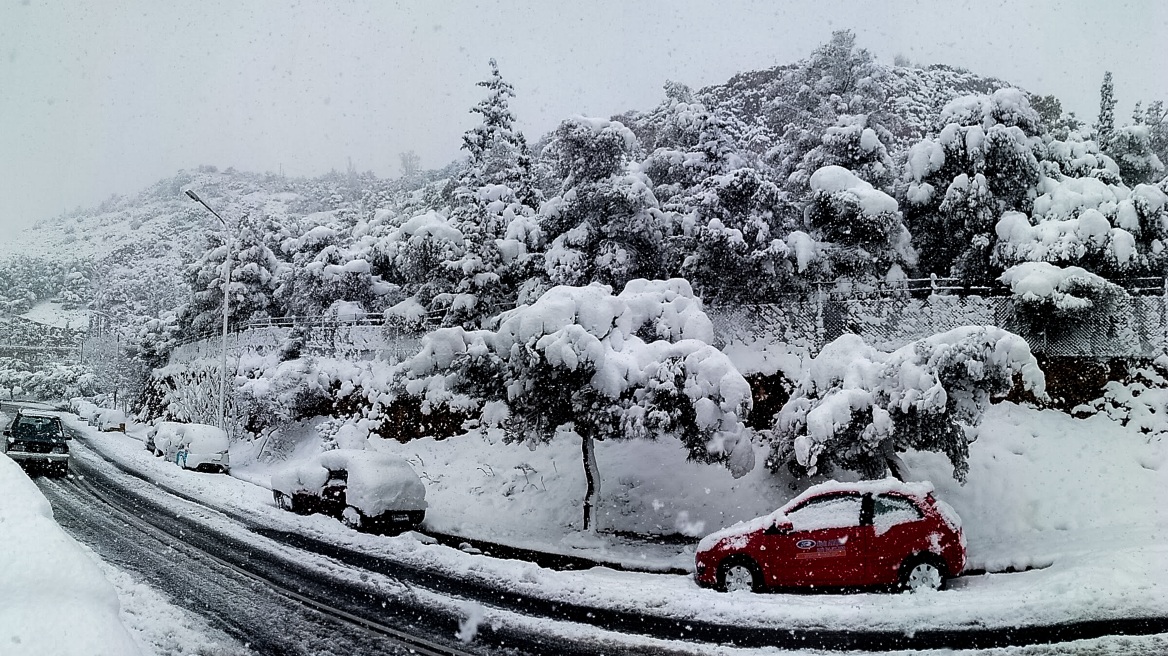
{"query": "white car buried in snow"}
[(366, 490), (191, 446)]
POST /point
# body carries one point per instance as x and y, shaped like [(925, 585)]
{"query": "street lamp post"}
[(226, 296)]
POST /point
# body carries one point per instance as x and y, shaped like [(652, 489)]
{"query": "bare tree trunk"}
[(892, 461), (592, 476)]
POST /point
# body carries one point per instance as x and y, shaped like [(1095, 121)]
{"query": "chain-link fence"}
[(891, 317), (887, 318)]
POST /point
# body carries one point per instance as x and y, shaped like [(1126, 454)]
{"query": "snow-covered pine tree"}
[(981, 163), (254, 273), (493, 204), (838, 79), (859, 228), (856, 143), (728, 218), (1156, 118), (1130, 147), (605, 225), (1105, 123)]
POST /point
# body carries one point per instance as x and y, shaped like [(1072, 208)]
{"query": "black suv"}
[(37, 441)]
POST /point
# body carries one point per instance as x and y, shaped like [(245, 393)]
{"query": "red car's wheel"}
[(739, 574), (921, 573)]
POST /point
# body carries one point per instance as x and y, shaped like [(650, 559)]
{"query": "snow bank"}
[(55, 598)]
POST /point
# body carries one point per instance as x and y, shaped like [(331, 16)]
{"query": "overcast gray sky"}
[(107, 97)]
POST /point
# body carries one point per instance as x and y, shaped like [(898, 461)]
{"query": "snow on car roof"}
[(204, 438), (880, 486)]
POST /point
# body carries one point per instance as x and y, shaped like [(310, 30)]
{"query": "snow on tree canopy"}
[(857, 406), (1042, 281), (1061, 241), (833, 179), (587, 329)]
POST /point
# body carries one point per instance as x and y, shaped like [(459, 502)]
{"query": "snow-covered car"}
[(201, 447), (107, 419), (366, 490), (840, 535), (83, 409), (38, 442), (160, 435)]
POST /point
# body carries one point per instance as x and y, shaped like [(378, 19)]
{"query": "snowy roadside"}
[(162, 628), (1083, 499), (56, 600)]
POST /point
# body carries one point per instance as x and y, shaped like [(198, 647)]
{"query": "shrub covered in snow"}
[(635, 365), (857, 407), (1141, 402), (1057, 302)]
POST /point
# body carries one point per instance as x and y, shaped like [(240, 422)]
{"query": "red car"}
[(840, 535)]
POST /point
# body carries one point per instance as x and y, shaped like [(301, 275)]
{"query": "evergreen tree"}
[(859, 228), (1131, 148), (606, 224), (1156, 118), (838, 79), (254, 275), (983, 162), (1106, 122), (493, 205)]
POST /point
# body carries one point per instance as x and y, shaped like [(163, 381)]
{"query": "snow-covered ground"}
[(54, 598), (52, 314), (1081, 501)]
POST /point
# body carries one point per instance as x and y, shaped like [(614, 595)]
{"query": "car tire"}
[(735, 574), (283, 501), (352, 518), (921, 574)]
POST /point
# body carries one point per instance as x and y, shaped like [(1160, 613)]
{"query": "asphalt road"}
[(244, 608), (281, 604)]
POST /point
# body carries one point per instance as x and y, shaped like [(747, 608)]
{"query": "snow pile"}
[(856, 406), (55, 598), (376, 483)]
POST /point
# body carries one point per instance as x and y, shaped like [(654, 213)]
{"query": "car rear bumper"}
[(24, 456), (399, 518)]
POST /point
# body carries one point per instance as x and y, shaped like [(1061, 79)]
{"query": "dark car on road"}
[(38, 442), (840, 535)]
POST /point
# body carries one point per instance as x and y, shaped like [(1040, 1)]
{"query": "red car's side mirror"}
[(781, 527)]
